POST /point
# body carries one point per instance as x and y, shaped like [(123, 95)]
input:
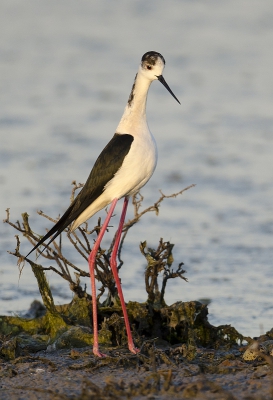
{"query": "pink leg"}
[(113, 264), (91, 262)]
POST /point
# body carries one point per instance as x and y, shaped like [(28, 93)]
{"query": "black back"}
[(104, 169)]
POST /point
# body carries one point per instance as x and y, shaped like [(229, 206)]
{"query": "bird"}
[(123, 167)]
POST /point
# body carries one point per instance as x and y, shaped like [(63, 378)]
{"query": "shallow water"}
[(66, 71)]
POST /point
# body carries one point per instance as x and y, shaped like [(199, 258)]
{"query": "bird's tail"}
[(58, 228)]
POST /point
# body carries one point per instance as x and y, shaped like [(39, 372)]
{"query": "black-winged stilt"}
[(123, 167)]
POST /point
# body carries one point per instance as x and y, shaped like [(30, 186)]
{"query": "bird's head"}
[(152, 66)]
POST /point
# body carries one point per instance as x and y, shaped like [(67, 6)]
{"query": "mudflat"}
[(158, 372)]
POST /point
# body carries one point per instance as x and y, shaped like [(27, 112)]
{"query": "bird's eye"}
[(149, 67)]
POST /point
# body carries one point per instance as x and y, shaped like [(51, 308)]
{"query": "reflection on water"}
[(65, 74)]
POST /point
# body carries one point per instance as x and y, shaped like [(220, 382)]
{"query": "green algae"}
[(12, 325), (183, 322)]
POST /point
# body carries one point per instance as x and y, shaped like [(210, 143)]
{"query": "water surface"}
[(66, 71)]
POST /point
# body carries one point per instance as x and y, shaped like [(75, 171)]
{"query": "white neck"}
[(134, 117)]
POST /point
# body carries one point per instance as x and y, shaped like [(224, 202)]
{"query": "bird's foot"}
[(97, 353), (133, 349)]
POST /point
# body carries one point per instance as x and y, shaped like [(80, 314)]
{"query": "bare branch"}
[(153, 208), (75, 244), (76, 186), (159, 260), (47, 217)]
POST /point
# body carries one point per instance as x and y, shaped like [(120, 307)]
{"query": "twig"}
[(162, 257)]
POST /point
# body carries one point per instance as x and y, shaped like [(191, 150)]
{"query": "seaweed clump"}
[(182, 324)]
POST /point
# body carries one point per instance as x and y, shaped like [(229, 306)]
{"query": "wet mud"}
[(181, 355)]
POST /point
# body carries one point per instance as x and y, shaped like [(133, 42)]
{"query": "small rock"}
[(253, 351)]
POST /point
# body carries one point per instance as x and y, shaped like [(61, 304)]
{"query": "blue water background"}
[(66, 70)]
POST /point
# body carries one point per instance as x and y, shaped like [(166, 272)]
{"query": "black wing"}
[(104, 169)]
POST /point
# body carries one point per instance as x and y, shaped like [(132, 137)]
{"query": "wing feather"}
[(104, 169)]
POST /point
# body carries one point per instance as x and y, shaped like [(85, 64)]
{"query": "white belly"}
[(136, 170)]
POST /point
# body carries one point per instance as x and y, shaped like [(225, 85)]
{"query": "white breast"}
[(137, 168)]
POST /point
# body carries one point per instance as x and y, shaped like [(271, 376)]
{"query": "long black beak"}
[(164, 83)]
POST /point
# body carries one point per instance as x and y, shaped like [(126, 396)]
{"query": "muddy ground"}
[(158, 372), (47, 354)]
